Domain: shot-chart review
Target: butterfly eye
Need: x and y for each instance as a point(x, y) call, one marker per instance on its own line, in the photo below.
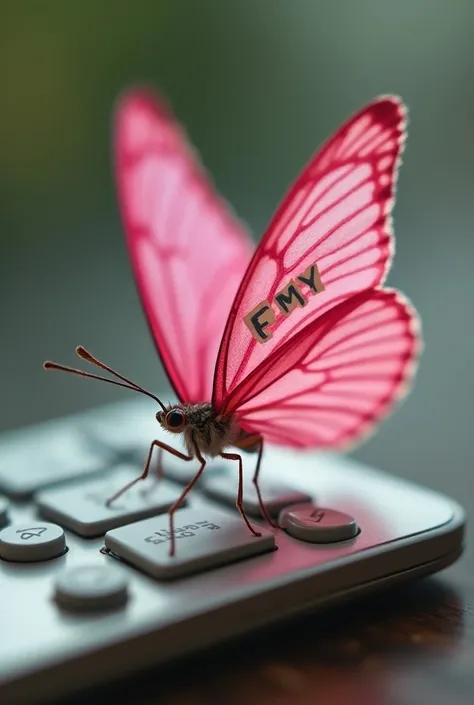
point(175, 420)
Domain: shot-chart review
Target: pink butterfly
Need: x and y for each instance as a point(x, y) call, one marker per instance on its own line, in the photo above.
point(328, 351)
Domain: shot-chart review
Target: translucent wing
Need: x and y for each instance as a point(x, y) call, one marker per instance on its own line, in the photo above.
point(187, 250)
point(336, 215)
point(339, 376)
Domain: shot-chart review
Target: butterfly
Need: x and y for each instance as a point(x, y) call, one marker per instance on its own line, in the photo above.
point(295, 343)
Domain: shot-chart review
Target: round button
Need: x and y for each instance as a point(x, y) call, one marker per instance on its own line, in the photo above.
point(3, 511)
point(317, 524)
point(91, 587)
point(30, 542)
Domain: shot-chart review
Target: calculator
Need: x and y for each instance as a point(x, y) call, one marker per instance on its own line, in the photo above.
point(89, 591)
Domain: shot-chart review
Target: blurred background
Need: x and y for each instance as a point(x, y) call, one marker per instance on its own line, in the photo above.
point(259, 84)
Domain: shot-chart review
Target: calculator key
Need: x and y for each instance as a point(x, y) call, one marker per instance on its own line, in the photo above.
point(275, 496)
point(3, 511)
point(47, 455)
point(205, 538)
point(125, 427)
point(318, 524)
point(182, 472)
point(32, 541)
point(94, 587)
point(82, 507)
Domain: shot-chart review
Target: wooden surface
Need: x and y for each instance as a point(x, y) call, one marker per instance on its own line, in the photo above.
point(413, 644)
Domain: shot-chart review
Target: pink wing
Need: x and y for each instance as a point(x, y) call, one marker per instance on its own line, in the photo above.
point(337, 216)
point(188, 252)
point(337, 378)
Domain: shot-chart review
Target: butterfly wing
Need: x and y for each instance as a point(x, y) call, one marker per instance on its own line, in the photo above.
point(187, 250)
point(337, 215)
point(337, 378)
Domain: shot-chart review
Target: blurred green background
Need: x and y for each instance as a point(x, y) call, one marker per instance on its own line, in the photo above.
point(258, 84)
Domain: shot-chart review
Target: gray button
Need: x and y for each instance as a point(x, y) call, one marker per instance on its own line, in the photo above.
point(183, 472)
point(82, 507)
point(205, 538)
point(3, 511)
point(34, 458)
point(318, 524)
point(275, 496)
point(128, 426)
point(32, 541)
point(92, 587)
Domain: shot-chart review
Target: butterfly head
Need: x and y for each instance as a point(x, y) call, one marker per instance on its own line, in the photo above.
point(173, 419)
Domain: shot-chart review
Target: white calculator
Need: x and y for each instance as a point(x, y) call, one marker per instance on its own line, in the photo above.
point(89, 591)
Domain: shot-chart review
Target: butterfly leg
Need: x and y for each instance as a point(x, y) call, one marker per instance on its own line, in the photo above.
point(240, 491)
point(181, 497)
point(146, 470)
point(263, 508)
point(157, 474)
point(252, 443)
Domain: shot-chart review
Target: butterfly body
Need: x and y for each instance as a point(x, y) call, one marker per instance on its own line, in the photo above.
point(201, 427)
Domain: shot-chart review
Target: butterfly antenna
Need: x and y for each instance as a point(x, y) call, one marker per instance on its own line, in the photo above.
point(88, 357)
point(127, 384)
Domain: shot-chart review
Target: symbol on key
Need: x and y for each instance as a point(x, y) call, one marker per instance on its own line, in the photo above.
point(35, 531)
point(209, 525)
point(318, 515)
point(318, 525)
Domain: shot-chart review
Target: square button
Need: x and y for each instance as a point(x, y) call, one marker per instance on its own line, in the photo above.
point(182, 472)
point(205, 538)
point(126, 427)
point(276, 496)
point(45, 455)
point(82, 507)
